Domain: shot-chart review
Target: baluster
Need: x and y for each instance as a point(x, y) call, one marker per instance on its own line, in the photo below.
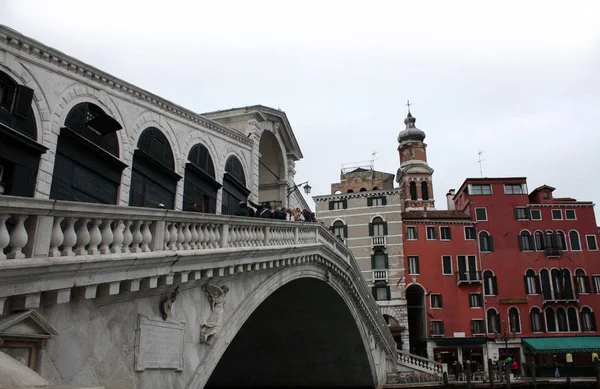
point(95, 237)
point(107, 236)
point(261, 236)
point(194, 232)
point(167, 235)
point(187, 236)
point(117, 241)
point(205, 236)
point(18, 238)
point(4, 235)
point(146, 236)
point(70, 238)
point(201, 236)
point(233, 232)
point(241, 236)
point(83, 237)
point(127, 236)
point(137, 236)
point(252, 231)
point(217, 236)
point(212, 237)
point(180, 236)
point(55, 240)
point(173, 237)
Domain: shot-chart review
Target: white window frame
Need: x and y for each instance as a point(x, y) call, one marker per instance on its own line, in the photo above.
point(415, 235)
point(588, 245)
point(377, 202)
point(471, 186)
point(512, 187)
point(411, 266)
point(578, 239)
point(451, 266)
point(486, 215)
point(479, 333)
point(476, 294)
point(427, 228)
point(436, 321)
point(559, 210)
point(531, 285)
point(596, 284)
point(574, 213)
point(449, 229)
point(531, 211)
point(474, 231)
point(525, 213)
point(431, 301)
point(541, 317)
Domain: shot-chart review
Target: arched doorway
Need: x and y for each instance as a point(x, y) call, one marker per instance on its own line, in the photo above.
point(19, 151)
point(417, 323)
point(302, 335)
point(200, 186)
point(153, 177)
point(271, 171)
point(234, 186)
point(395, 329)
point(87, 166)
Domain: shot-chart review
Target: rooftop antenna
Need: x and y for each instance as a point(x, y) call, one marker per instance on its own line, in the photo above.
point(479, 161)
point(373, 159)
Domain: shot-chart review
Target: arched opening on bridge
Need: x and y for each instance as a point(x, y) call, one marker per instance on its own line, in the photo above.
point(234, 186)
point(271, 171)
point(200, 186)
point(417, 324)
point(303, 335)
point(395, 329)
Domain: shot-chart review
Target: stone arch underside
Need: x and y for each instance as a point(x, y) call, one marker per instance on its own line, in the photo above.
point(417, 323)
point(302, 335)
point(271, 171)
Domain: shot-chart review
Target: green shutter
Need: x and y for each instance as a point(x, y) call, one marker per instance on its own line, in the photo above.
point(370, 229)
point(385, 230)
point(495, 285)
point(373, 261)
point(449, 233)
point(520, 242)
point(387, 264)
point(441, 303)
point(528, 213)
point(345, 231)
point(491, 243)
point(516, 211)
point(389, 294)
point(374, 292)
point(417, 265)
point(345, 203)
point(416, 232)
point(369, 201)
point(384, 200)
point(331, 205)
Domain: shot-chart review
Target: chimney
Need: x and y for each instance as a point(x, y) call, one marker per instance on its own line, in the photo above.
point(450, 199)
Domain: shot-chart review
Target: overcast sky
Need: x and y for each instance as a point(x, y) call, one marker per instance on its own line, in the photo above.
point(519, 80)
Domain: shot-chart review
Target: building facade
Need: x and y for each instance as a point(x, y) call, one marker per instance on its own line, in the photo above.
point(364, 210)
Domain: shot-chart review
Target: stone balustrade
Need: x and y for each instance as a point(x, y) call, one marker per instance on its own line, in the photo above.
point(419, 363)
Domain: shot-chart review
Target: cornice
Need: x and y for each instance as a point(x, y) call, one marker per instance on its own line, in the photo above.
point(342, 196)
point(562, 205)
point(32, 48)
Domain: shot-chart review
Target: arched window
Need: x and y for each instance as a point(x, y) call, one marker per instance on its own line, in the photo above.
point(378, 227)
point(493, 321)
point(490, 284)
point(339, 229)
point(532, 282)
point(547, 290)
point(413, 190)
point(425, 190)
point(537, 320)
point(200, 186)
point(572, 317)
point(574, 240)
point(234, 168)
point(350, 191)
point(375, 188)
point(363, 190)
point(486, 243)
point(539, 240)
point(16, 110)
point(525, 241)
point(562, 285)
point(561, 318)
point(515, 320)
point(588, 320)
point(561, 240)
point(379, 260)
point(582, 281)
point(550, 320)
point(92, 123)
point(234, 186)
point(550, 241)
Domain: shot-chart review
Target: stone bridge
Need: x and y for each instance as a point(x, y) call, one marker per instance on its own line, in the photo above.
point(85, 288)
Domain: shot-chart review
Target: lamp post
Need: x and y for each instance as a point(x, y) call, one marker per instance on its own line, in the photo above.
point(306, 188)
point(505, 336)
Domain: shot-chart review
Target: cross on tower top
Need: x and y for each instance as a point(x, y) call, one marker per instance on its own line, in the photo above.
point(408, 104)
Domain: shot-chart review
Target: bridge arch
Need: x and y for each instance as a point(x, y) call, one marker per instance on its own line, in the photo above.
point(223, 356)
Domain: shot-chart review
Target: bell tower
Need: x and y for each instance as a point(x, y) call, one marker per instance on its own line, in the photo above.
point(414, 175)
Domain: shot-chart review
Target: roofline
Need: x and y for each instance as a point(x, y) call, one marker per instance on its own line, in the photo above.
point(32, 48)
point(483, 179)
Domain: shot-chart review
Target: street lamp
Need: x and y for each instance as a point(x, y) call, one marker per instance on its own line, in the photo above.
point(505, 336)
point(306, 188)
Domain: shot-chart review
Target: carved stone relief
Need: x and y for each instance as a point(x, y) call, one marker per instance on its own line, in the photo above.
point(216, 297)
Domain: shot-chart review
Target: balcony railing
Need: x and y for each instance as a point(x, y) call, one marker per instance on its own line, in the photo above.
point(380, 275)
point(468, 277)
point(553, 251)
point(378, 241)
point(565, 297)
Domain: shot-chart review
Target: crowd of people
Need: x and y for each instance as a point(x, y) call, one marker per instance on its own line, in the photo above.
point(251, 209)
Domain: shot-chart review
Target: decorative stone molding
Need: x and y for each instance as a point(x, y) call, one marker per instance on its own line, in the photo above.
point(370, 193)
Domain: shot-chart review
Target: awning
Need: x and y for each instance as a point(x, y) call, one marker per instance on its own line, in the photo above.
point(460, 341)
point(563, 344)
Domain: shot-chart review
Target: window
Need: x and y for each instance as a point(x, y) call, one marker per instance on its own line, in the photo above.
point(532, 282)
point(424, 190)
point(470, 233)
point(545, 195)
point(379, 260)
point(570, 214)
point(413, 190)
point(467, 268)
point(521, 213)
point(525, 241)
point(493, 319)
point(574, 240)
point(436, 301)
point(546, 284)
point(596, 280)
point(562, 284)
point(513, 189)
point(556, 214)
point(561, 319)
point(588, 321)
point(413, 265)
point(447, 265)
point(477, 327)
point(339, 229)
point(486, 243)
point(376, 201)
point(437, 328)
point(591, 242)
point(572, 319)
point(445, 233)
point(412, 233)
point(550, 320)
point(484, 189)
point(381, 292)
point(515, 320)
point(537, 320)
point(582, 282)
point(490, 283)
point(539, 240)
point(475, 300)
point(480, 214)
point(431, 233)
point(536, 214)
point(378, 227)
point(340, 204)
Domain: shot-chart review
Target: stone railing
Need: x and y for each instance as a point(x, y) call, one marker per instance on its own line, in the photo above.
point(419, 363)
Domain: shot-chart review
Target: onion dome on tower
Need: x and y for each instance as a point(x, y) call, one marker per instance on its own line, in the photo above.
point(410, 133)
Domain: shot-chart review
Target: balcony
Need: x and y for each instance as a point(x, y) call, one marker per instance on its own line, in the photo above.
point(560, 298)
point(553, 252)
point(378, 241)
point(380, 275)
point(468, 277)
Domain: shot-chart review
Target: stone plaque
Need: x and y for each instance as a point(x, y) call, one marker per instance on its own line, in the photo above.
point(159, 344)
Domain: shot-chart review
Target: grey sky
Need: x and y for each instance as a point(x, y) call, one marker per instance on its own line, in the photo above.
point(518, 80)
